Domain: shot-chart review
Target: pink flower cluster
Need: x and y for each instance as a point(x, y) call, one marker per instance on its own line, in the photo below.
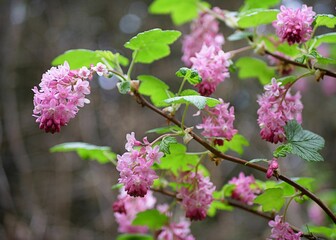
point(282, 231)
point(277, 107)
point(245, 190)
point(126, 208)
point(294, 26)
point(212, 65)
point(135, 166)
point(197, 196)
point(218, 124)
point(204, 30)
point(62, 91)
point(273, 165)
point(176, 231)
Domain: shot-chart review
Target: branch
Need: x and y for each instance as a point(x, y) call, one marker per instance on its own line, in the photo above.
point(141, 100)
point(237, 205)
point(286, 60)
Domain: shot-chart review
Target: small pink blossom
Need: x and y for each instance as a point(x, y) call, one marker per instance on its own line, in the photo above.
point(197, 196)
point(84, 73)
point(126, 208)
point(61, 94)
point(272, 166)
point(176, 231)
point(218, 123)
point(277, 107)
point(100, 69)
point(282, 231)
point(212, 65)
point(135, 166)
point(204, 30)
point(294, 26)
point(245, 190)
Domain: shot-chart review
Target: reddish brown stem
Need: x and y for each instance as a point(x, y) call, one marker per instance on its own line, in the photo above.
point(286, 60)
point(141, 100)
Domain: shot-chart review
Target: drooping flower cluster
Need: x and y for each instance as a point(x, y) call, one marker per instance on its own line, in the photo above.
point(245, 190)
point(135, 166)
point(273, 165)
point(126, 208)
point(197, 195)
point(218, 123)
point(282, 231)
point(294, 26)
point(277, 107)
point(176, 231)
point(212, 65)
point(204, 30)
point(62, 91)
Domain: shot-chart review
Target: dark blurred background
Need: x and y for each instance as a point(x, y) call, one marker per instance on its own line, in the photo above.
point(59, 196)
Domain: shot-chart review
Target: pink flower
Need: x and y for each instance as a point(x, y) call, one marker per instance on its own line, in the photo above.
point(246, 190)
point(84, 73)
point(61, 94)
point(135, 166)
point(294, 26)
point(205, 30)
point(218, 124)
point(197, 196)
point(100, 69)
point(282, 231)
point(277, 107)
point(126, 208)
point(176, 231)
point(272, 166)
point(212, 65)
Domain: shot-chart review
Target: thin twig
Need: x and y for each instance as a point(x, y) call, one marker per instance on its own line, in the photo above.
point(221, 155)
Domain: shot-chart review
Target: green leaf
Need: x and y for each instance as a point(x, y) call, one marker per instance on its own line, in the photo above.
point(282, 150)
point(271, 200)
point(329, 232)
point(327, 20)
point(236, 144)
point(124, 87)
point(198, 101)
point(286, 80)
point(303, 143)
point(254, 68)
point(325, 38)
point(155, 88)
point(189, 92)
point(134, 237)
point(163, 130)
point(325, 60)
point(78, 58)
point(218, 205)
point(181, 11)
point(152, 45)
point(165, 144)
point(86, 151)
point(152, 219)
point(191, 75)
point(256, 17)
point(177, 160)
point(250, 4)
point(239, 35)
point(228, 189)
point(290, 190)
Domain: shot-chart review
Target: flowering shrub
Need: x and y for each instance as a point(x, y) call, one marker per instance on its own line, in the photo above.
point(163, 166)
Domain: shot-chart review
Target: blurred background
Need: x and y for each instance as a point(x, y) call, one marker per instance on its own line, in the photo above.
point(59, 196)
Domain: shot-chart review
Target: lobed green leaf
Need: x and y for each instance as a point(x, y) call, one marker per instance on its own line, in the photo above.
point(256, 17)
point(327, 20)
point(198, 101)
point(236, 144)
point(191, 75)
point(86, 151)
point(271, 200)
point(152, 45)
point(78, 58)
point(156, 89)
point(152, 219)
point(165, 144)
point(128, 236)
point(247, 69)
point(181, 11)
point(250, 4)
